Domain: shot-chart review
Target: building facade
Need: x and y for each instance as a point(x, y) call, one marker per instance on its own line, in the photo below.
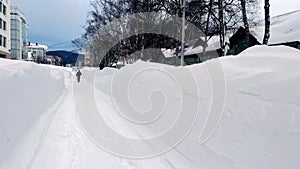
point(19, 34)
point(5, 29)
point(87, 54)
point(36, 52)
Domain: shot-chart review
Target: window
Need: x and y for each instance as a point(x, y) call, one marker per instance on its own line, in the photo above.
point(4, 41)
point(15, 24)
point(0, 6)
point(4, 10)
point(0, 40)
point(1, 23)
point(4, 25)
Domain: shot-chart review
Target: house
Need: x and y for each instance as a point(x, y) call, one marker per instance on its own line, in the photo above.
point(170, 57)
point(293, 44)
point(37, 51)
point(212, 50)
point(193, 53)
point(173, 56)
point(238, 42)
point(284, 30)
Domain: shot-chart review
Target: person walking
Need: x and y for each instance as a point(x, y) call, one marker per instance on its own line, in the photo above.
point(78, 74)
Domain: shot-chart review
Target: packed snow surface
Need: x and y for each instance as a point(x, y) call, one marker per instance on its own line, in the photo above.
point(260, 126)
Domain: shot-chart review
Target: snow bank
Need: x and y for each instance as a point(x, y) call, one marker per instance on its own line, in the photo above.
point(27, 91)
point(260, 126)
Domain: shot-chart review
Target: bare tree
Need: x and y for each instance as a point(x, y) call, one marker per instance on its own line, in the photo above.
point(209, 12)
point(213, 17)
point(221, 25)
point(245, 20)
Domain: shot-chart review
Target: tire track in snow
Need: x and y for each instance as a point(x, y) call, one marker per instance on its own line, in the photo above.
point(75, 151)
point(88, 83)
point(45, 130)
point(164, 161)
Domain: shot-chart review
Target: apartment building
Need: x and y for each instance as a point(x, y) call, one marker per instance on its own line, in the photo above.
point(19, 34)
point(5, 29)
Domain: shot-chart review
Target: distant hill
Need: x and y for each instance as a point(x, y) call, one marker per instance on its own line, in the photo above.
point(67, 56)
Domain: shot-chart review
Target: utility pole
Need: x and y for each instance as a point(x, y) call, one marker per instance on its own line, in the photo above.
point(183, 33)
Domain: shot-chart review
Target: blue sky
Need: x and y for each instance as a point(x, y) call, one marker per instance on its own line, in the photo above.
point(56, 21)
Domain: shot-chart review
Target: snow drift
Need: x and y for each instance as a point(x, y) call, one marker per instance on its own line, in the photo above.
point(260, 126)
point(27, 91)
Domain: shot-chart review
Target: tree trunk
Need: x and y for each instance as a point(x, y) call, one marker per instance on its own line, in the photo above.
point(207, 29)
point(183, 34)
point(221, 25)
point(267, 22)
point(245, 20)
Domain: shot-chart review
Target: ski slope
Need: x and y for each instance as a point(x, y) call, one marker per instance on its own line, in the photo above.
point(41, 125)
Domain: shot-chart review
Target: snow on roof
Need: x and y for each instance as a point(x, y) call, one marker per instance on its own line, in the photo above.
point(212, 44)
point(34, 46)
point(169, 53)
point(284, 28)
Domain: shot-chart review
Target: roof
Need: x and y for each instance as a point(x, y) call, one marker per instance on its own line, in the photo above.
point(34, 46)
point(168, 53)
point(212, 45)
point(284, 28)
point(194, 47)
point(68, 57)
point(240, 32)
